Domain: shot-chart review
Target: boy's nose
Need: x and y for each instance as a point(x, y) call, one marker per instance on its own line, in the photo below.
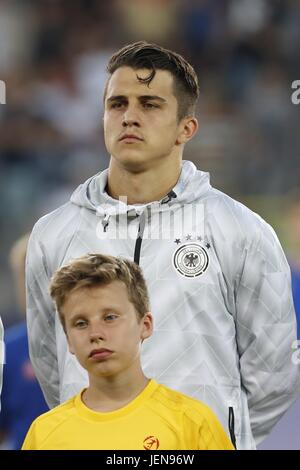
point(97, 335)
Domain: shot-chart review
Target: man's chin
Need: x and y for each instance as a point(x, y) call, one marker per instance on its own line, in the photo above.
point(134, 162)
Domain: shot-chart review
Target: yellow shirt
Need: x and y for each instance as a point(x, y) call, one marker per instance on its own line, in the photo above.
point(158, 418)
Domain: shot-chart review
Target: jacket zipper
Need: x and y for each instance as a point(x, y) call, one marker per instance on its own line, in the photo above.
point(138, 243)
point(231, 426)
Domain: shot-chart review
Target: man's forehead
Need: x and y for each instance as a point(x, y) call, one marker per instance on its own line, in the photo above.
point(125, 81)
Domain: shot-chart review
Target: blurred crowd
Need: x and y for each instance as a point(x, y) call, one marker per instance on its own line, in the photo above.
point(52, 58)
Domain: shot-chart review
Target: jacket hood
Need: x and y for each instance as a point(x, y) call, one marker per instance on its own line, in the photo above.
point(192, 185)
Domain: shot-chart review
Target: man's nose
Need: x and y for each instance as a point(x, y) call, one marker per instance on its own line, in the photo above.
point(131, 117)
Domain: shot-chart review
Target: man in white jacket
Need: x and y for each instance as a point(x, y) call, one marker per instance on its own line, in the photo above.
point(218, 279)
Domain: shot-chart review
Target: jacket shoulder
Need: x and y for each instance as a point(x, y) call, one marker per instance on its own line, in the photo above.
point(51, 235)
point(235, 218)
point(60, 217)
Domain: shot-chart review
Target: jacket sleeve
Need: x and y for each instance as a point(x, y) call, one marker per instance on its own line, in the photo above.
point(41, 321)
point(266, 332)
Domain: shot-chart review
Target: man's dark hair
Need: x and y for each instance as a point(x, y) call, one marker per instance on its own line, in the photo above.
point(144, 55)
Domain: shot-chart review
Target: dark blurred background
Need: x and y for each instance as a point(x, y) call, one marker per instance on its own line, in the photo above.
point(53, 55)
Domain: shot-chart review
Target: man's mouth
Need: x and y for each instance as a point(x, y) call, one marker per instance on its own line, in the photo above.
point(130, 138)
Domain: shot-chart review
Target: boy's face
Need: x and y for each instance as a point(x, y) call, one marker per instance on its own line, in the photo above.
point(103, 329)
point(146, 113)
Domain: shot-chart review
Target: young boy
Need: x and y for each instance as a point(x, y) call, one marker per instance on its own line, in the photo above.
point(103, 305)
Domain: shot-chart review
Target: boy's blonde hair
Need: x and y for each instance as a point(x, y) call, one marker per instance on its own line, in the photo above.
point(94, 270)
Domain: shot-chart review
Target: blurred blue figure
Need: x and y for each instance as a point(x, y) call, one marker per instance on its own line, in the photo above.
point(21, 399)
point(296, 295)
point(293, 224)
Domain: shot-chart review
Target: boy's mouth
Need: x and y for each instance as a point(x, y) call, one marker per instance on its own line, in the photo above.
point(100, 353)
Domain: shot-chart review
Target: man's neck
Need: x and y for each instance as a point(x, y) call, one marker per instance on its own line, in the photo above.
point(106, 394)
point(148, 185)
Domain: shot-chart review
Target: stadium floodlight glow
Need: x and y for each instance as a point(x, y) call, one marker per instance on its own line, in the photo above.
point(2, 92)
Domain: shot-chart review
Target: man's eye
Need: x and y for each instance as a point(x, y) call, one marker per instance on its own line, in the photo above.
point(117, 105)
point(150, 105)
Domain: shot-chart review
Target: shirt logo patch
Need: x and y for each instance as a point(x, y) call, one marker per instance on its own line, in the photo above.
point(151, 443)
point(190, 260)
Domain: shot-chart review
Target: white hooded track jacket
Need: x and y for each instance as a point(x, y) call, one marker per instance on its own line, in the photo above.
point(220, 293)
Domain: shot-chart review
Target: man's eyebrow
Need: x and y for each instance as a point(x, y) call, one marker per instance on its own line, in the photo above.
point(141, 98)
point(117, 98)
point(152, 97)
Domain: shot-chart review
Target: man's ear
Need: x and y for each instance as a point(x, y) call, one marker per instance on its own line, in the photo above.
point(187, 129)
point(147, 326)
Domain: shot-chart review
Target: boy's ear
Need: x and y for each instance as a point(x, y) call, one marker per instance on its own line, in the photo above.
point(147, 328)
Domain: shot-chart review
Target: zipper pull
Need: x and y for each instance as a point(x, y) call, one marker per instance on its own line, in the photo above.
point(105, 222)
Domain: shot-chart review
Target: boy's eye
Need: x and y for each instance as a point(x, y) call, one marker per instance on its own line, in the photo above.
point(110, 317)
point(80, 323)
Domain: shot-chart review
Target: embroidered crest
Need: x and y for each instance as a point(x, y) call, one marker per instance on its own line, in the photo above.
point(190, 260)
